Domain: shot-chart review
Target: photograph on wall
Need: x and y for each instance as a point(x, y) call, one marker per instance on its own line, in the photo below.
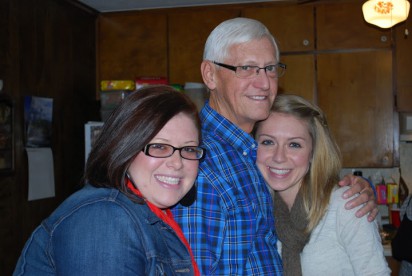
point(92, 130)
point(38, 114)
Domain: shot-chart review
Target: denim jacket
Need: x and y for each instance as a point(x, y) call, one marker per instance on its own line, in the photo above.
point(100, 231)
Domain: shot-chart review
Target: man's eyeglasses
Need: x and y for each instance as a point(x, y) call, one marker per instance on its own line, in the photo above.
point(164, 150)
point(250, 71)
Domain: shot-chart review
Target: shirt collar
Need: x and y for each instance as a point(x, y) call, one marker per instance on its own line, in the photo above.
point(214, 123)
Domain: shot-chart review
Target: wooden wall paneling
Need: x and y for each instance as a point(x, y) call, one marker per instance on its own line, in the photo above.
point(4, 31)
point(9, 203)
point(188, 31)
point(50, 52)
point(300, 76)
point(341, 26)
point(292, 25)
point(132, 44)
point(355, 91)
point(403, 71)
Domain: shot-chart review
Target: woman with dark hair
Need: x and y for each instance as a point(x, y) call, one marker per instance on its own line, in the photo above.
point(144, 162)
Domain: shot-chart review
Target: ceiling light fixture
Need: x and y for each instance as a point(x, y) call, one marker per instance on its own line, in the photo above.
point(385, 14)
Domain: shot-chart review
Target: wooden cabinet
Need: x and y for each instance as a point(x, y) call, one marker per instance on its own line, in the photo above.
point(334, 58)
point(354, 84)
point(354, 89)
point(291, 25)
point(293, 28)
point(300, 76)
point(132, 45)
point(156, 43)
point(403, 71)
point(187, 35)
point(341, 26)
point(355, 92)
point(349, 75)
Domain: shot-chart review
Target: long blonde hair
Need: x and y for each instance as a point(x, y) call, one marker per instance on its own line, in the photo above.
point(323, 174)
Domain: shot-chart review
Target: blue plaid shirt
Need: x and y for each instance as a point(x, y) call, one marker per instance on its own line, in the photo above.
point(230, 227)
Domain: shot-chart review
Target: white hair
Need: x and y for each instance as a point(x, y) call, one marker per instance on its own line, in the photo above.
point(235, 31)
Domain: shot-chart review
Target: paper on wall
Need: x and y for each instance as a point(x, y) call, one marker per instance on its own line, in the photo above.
point(41, 173)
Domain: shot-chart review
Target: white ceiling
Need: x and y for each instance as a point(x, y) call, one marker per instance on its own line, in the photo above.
point(127, 5)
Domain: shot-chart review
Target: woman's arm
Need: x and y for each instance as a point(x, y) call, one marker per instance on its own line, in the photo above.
point(362, 243)
point(99, 239)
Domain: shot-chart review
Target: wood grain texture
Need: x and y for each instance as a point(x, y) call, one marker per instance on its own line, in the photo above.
point(354, 90)
point(341, 26)
point(403, 68)
point(132, 45)
point(300, 76)
point(188, 32)
point(48, 50)
point(292, 25)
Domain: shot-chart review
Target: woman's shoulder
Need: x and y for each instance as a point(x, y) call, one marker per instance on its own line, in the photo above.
point(337, 193)
point(337, 205)
point(337, 202)
point(91, 202)
point(89, 195)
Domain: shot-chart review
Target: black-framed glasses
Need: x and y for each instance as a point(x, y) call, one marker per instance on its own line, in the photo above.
point(159, 150)
point(251, 71)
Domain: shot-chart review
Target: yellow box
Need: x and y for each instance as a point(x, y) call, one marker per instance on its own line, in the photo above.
point(107, 85)
point(393, 195)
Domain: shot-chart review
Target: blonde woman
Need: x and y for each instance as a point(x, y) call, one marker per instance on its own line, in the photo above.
point(300, 161)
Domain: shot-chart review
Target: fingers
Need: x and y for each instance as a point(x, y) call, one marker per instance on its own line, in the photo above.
point(357, 201)
point(346, 180)
point(366, 197)
point(369, 192)
point(368, 209)
point(374, 213)
point(357, 185)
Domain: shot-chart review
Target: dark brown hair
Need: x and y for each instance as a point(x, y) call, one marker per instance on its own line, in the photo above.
point(131, 126)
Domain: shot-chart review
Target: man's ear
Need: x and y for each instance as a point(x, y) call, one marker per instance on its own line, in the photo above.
point(208, 71)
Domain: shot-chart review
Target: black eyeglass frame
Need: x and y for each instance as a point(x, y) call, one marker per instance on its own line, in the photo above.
point(234, 68)
point(147, 147)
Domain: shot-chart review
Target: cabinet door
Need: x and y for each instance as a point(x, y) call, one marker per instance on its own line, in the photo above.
point(355, 91)
point(131, 45)
point(292, 26)
point(299, 78)
point(342, 26)
point(404, 66)
point(188, 32)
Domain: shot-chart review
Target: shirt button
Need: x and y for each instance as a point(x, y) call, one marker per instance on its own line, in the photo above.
point(253, 146)
point(244, 153)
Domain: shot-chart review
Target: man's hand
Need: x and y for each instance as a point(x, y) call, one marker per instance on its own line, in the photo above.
point(366, 195)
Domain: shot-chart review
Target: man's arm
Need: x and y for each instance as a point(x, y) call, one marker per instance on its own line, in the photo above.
point(366, 196)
